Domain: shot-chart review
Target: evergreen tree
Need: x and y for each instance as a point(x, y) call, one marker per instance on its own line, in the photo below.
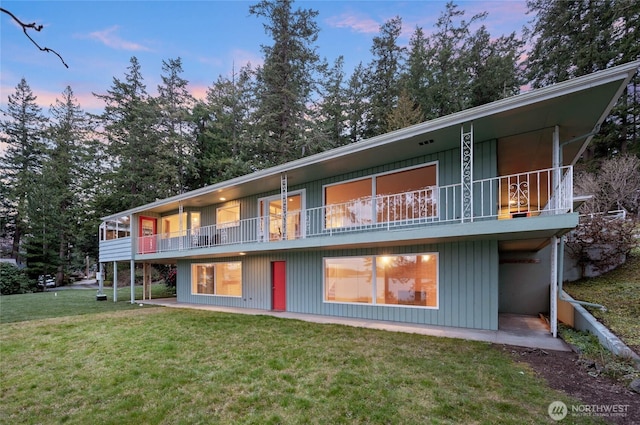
point(578, 37)
point(222, 122)
point(67, 176)
point(384, 75)
point(176, 126)
point(415, 79)
point(330, 117)
point(406, 113)
point(448, 86)
point(492, 66)
point(21, 163)
point(140, 172)
point(357, 109)
point(285, 83)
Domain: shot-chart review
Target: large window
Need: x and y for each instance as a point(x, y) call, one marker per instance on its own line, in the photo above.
point(115, 229)
point(228, 216)
point(403, 280)
point(408, 194)
point(173, 226)
point(217, 279)
point(271, 215)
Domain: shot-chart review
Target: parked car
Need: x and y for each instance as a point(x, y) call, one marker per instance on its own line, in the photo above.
point(46, 281)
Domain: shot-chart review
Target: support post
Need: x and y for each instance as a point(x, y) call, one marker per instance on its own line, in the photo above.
point(283, 201)
point(555, 165)
point(466, 172)
point(180, 231)
point(133, 282)
point(115, 281)
point(553, 302)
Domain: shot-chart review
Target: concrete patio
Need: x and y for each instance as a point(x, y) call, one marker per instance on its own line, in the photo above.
point(522, 331)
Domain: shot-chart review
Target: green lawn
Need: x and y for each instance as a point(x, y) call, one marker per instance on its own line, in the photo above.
point(154, 365)
point(619, 292)
point(69, 302)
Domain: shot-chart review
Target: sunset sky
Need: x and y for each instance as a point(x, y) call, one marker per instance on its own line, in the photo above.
point(98, 38)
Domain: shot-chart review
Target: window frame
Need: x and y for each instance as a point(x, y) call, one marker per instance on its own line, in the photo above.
point(373, 178)
point(374, 278)
point(214, 266)
point(231, 223)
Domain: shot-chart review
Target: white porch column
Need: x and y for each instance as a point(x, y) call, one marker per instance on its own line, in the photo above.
point(133, 282)
point(284, 189)
point(115, 281)
point(556, 163)
point(466, 172)
point(180, 230)
point(553, 302)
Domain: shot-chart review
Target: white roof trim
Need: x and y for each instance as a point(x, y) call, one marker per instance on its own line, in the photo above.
point(622, 72)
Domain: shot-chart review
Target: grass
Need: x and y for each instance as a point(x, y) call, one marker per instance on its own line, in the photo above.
point(601, 360)
point(69, 302)
point(154, 365)
point(619, 292)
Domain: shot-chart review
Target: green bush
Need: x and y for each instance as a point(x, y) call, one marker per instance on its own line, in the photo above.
point(14, 281)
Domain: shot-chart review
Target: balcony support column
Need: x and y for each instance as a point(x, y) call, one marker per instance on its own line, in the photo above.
point(553, 299)
point(115, 281)
point(180, 228)
point(133, 282)
point(283, 202)
point(556, 163)
point(466, 172)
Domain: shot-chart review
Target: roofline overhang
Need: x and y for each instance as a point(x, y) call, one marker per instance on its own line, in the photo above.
point(622, 73)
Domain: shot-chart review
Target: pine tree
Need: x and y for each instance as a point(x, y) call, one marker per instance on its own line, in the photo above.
point(384, 75)
point(357, 110)
point(285, 83)
point(415, 78)
point(448, 87)
point(140, 172)
point(578, 37)
point(330, 116)
point(21, 164)
point(176, 126)
point(492, 66)
point(67, 176)
point(222, 126)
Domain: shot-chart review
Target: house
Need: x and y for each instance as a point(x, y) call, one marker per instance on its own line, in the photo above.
point(450, 222)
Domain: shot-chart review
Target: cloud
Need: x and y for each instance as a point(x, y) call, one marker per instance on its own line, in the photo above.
point(109, 38)
point(359, 24)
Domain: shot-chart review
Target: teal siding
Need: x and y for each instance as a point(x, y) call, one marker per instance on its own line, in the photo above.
point(468, 285)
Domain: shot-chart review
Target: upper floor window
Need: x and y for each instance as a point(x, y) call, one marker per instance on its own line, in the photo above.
point(228, 216)
point(173, 225)
point(115, 229)
point(407, 194)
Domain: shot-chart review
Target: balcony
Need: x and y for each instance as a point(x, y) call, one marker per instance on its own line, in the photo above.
point(518, 196)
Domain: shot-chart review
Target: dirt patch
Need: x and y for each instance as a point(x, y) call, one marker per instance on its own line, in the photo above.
point(565, 372)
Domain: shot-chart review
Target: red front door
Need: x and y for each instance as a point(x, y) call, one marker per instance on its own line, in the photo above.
point(279, 285)
point(148, 235)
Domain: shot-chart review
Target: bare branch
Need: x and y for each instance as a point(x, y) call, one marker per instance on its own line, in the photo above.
point(36, 27)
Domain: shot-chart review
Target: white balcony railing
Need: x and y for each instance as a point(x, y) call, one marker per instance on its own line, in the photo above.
point(530, 194)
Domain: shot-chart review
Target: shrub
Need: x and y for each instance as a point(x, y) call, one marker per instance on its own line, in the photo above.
point(14, 281)
point(601, 243)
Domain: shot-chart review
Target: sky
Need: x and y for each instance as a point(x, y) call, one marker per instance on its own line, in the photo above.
point(98, 38)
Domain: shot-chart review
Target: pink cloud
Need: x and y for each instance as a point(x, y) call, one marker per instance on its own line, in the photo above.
point(109, 38)
point(355, 23)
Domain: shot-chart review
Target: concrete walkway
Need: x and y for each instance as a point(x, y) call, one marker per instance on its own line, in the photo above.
point(523, 331)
